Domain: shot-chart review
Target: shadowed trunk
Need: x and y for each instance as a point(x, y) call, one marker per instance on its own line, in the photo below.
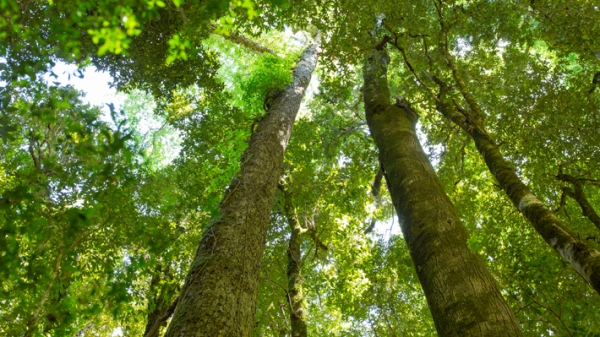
point(219, 295)
point(463, 297)
point(294, 255)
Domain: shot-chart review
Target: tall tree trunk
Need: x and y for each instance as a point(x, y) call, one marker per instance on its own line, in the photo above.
point(294, 278)
point(584, 259)
point(463, 297)
point(219, 294)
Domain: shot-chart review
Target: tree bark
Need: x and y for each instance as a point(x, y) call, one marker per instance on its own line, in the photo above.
point(584, 259)
point(579, 196)
point(219, 294)
point(463, 297)
point(294, 278)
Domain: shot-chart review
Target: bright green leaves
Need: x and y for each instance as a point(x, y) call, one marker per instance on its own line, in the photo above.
point(230, 10)
point(248, 5)
point(71, 184)
point(116, 39)
point(214, 136)
point(79, 30)
point(177, 47)
point(261, 81)
point(102, 202)
point(227, 21)
point(158, 3)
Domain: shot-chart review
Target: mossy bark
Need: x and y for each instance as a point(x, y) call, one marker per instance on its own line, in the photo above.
point(463, 297)
point(219, 294)
point(584, 259)
point(294, 277)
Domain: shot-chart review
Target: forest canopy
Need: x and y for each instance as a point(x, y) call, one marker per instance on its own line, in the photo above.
point(301, 168)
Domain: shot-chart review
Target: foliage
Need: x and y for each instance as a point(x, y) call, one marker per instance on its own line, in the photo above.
point(73, 229)
point(267, 75)
point(93, 207)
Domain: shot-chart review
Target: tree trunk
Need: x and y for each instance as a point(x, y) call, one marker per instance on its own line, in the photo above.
point(219, 294)
point(294, 278)
point(584, 259)
point(463, 297)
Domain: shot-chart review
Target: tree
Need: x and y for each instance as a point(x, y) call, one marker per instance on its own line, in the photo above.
point(463, 297)
point(294, 298)
point(63, 204)
point(98, 226)
point(219, 295)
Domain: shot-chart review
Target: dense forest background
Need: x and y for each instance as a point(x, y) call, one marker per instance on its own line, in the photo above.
point(105, 212)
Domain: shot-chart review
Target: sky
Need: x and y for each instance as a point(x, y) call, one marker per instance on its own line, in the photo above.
point(95, 84)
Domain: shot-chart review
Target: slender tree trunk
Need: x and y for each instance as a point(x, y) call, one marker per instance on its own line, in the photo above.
point(34, 319)
point(294, 278)
point(463, 297)
point(584, 259)
point(156, 303)
point(219, 295)
point(152, 330)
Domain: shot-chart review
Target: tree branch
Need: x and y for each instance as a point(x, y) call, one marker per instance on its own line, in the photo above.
point(578, 195)
point(159, 321)
point(243, 41)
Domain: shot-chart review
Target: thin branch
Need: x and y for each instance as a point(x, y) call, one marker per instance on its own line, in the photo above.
point(375, 191)
point(159, 321)
point(412, 70)
point(35, 316)
point(267, 278)
point(462, 87)
point(553, 312)
point(563, 199)
point(243, 41)
point(579, 196)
